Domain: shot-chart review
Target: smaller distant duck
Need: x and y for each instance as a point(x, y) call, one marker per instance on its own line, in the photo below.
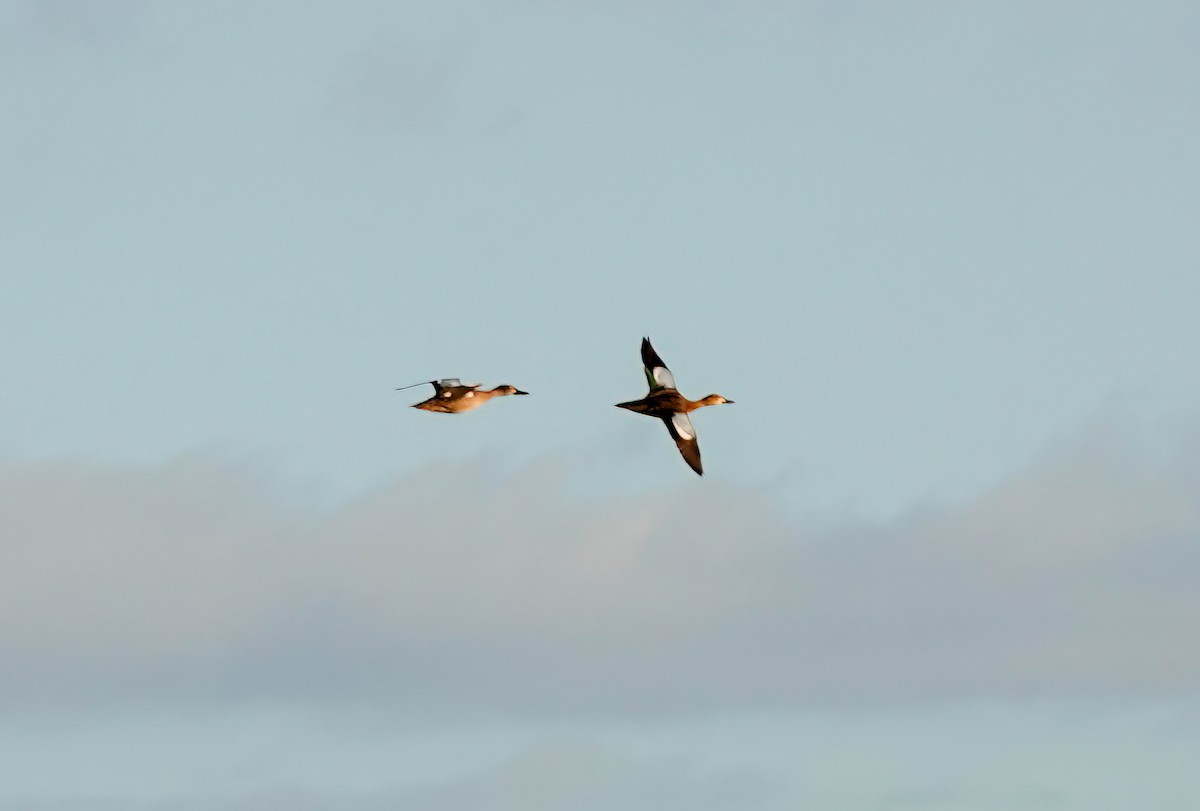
point(451, 396)
point(667, 404)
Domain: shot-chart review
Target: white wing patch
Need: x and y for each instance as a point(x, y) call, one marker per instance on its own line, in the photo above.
point(683, 426)
point(449, 382)
point(663, 377)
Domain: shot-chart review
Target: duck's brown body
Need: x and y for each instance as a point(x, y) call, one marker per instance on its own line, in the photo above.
point(450, 397)
point(664, 402)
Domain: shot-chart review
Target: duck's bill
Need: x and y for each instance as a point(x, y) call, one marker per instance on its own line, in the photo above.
point(518, 391)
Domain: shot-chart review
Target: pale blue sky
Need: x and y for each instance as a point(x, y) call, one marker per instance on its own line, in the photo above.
point(922, 239)
point(943, 256)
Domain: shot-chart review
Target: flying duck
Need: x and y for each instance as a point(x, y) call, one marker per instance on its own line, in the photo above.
point(450, 396)
point(667, 404)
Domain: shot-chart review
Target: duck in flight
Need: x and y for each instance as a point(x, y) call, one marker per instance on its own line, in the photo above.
point(450, 396)
point(667, 404)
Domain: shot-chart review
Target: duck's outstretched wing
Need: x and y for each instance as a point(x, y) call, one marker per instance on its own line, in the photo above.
point(657, 373)
point(681, 430)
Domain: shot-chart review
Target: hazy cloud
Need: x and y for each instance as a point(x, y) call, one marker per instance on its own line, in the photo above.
point(457, 587)
point(91, 23)
point(1026, 800)
point(571, 774)
point(578, 775)
point(398, 85)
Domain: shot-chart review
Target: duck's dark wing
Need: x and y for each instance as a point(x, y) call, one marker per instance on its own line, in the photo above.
point(451, 387)
point(657, 373)
point(681, 430)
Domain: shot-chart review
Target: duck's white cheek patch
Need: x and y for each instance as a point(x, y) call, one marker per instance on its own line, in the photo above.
point(683, 426)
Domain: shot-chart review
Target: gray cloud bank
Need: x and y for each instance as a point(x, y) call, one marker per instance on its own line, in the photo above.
point(457, 588)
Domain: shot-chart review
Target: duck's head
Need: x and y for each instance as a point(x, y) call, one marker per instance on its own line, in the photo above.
point(715, 399)
point(506, 390)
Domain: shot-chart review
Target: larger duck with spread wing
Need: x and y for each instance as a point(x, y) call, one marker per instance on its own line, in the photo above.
point(666, 403)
